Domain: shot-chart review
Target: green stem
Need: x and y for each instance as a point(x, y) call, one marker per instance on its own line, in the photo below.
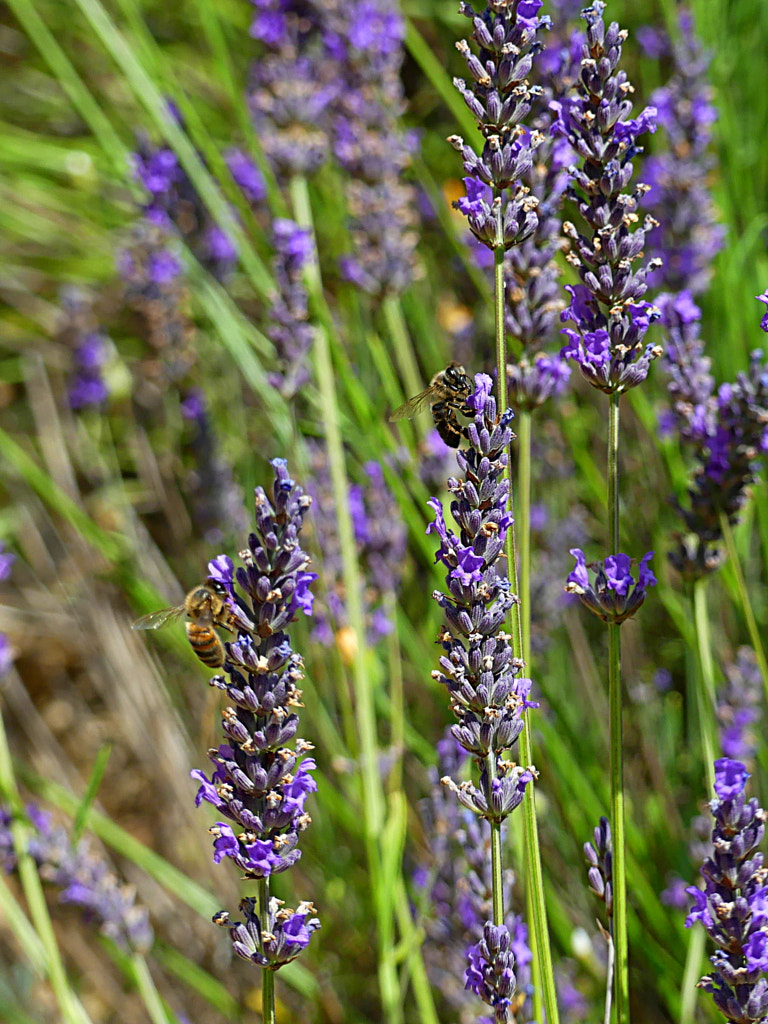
point(621, 967)
point(401, 344)
point(267, 976)
point(149, 994)
point(749, 615)
point(705, 690)
point(523, 527)
point(373, 799)
point(542, 970)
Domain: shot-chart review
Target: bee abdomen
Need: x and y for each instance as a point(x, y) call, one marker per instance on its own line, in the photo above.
point(447, 425)
point(206, 645)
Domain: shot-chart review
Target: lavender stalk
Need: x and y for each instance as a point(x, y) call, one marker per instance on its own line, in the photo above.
point(501, 213)
point(732, 906)
point(259, 783)
point(611, 320)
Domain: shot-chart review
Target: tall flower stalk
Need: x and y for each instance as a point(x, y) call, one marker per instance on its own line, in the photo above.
point(259, 783)
point(501, 213)
point(611, 320)
point(479, 668)
point(732, 906)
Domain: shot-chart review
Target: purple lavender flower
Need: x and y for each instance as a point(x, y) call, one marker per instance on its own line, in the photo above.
point(215, 497)
point(691, 384)
point(154, 288)
point(366, 38)
point(490, 974)
point(499, 209)
point(293, 86)
point(610, 316)
point(532, 381)
point(7, 558)
point(259, 783)
point(289, 327)
point(615, 595)
point(599, 859)
point(278, 939)
point(174, 205)
point(738, 708)
point(733, 907)
point(79, 331)
point(477, 666)
point(84, 878)
point(457, 877)
point(381, 541)
point(247, 176)
point(686, 236)
point(764, 321)
point(87, 387)
point(729, 435)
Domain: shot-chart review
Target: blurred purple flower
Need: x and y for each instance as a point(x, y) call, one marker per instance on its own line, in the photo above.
point(687, 235)
point(84, 878)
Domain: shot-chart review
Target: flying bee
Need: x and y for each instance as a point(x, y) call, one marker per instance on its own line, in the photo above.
point(446, 396)
point(205, 607)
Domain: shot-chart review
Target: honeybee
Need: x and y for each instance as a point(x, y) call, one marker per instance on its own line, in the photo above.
point(205, 607)
point(446, 396)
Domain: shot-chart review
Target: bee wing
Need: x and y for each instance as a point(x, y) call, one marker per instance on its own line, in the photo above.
point(157, 619)
point(414, 405)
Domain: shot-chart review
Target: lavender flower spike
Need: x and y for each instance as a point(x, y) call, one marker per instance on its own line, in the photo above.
point(283, 936)
point(477, 667)
point(491, 974)
point(499, 208)
point(83, 876)
point(607, 308)
point(615, 596)
point(259, 783)
point(733, 907)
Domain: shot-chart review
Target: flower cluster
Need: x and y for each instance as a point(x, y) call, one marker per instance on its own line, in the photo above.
point(690, 381)
point(491, 974)
point(727, 430)
point(79, 331)
point(457, 880)
point(276, 940)
point(366, 37)
point(174, 203)
point(532, 294)
point(499, 208)
point(733, 907)
point(84, 877)
point(611, 318)
point(293, 86)
point(599, 859)
point(259, 783)
point(216, 499)
point(289, 327)
point(154, 288)
point(739, 706)
point(615, 595)
point(687, 235)
point(477, 667)
point(381, 541)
